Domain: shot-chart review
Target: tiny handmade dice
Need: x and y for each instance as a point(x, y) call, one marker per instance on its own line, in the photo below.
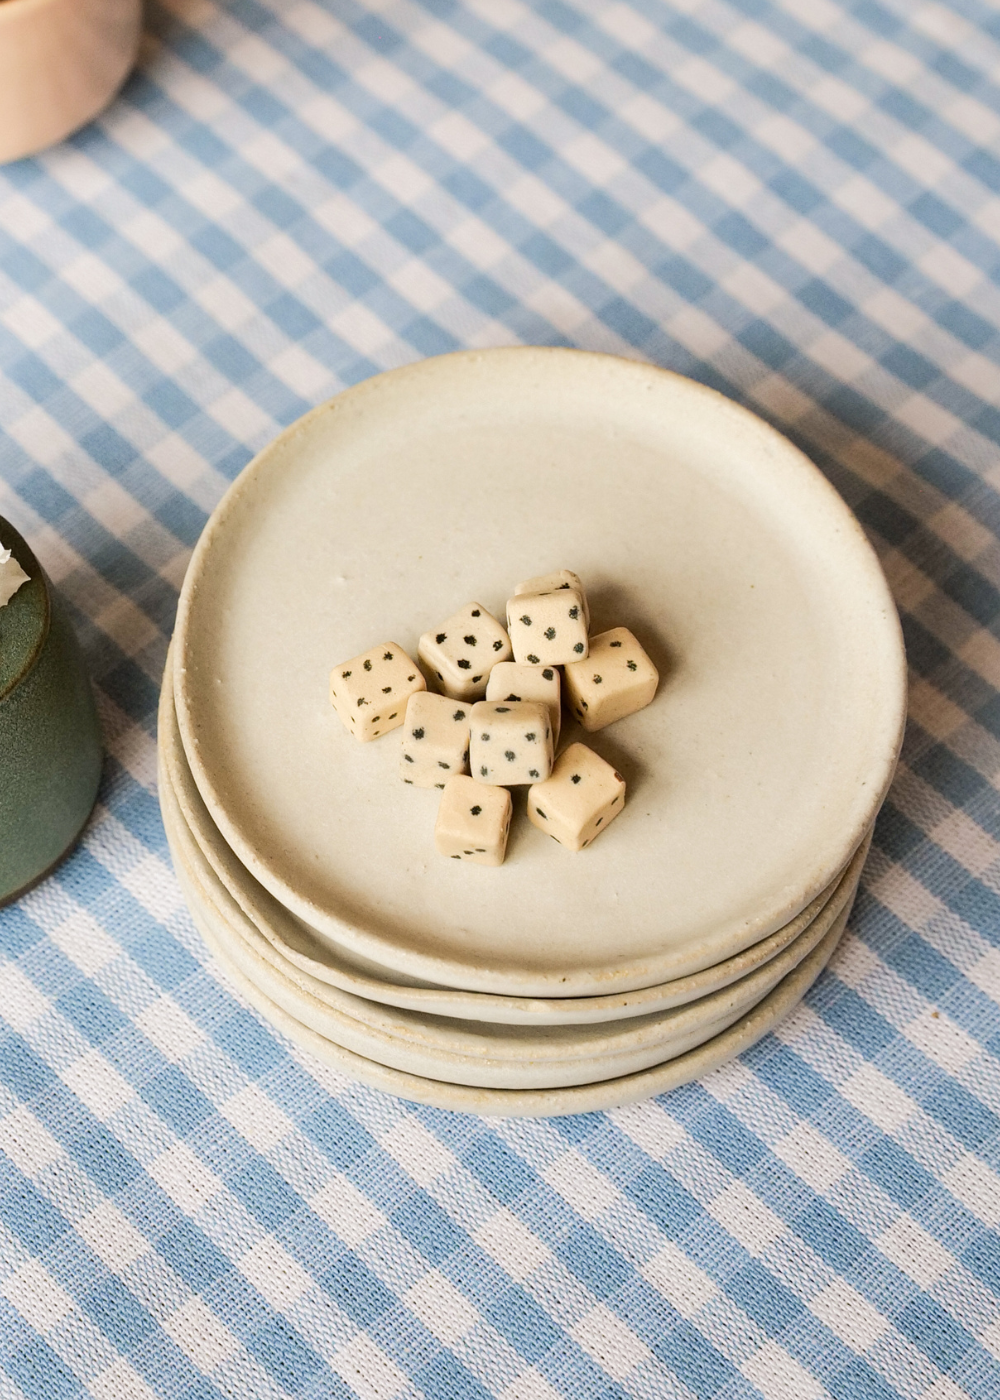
point(510, 680)
point(462, 652)
point(510, 744)
point(551, 583)
point(615, 680)
point(547, 629)
point(473, 822)
point(370, 692)
point(435, 740)
point(580, 800)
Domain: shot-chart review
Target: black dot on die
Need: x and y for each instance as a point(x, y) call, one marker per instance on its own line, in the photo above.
point(475, 811)
point(599, 820)
point(475, 612)
point(362, 701)
point(439, 785)
point(531, 737)
point(548, 673)
point(550, 632)
point(526, 620)
point(614, 644)
point(394, 714)
point(411, 678)
point(386, 689)
point(575, 778)
point(541, 814)
point(459, 714)
point(441, 636)
point(503, 709)
point(532, 772)
point(631, 665)
point(532, 658)
point(512, 697)
point(476, 678)
point(470, 640)
point(464, 664)
point(368, 665)
point(598, 680)
point(485, 738)
point(498, 646)
point(408, 758)
point(578, 647)
point(387, 656)
point(509, 755)
point(442, 764)
point(345, 674)
point(483, 771)
point(574, 613)
point(418, 734)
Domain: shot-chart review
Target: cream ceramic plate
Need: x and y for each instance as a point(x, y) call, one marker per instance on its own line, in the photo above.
point(753, 775)
point(481, 1070)
point(535, 1103)
point(464, 1051)
point(328, 974)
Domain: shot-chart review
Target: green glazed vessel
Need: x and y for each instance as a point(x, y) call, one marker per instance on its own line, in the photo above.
point(50, 740)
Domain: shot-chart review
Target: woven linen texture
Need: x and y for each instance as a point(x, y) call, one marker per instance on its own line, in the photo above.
point(798, 203)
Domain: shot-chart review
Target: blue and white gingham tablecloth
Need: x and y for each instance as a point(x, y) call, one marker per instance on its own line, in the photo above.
point(797, 201)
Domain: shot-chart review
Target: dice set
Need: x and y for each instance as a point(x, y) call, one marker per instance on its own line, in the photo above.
point(491, 718)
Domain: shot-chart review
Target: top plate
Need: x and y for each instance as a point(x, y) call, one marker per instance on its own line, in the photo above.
point(753, 775)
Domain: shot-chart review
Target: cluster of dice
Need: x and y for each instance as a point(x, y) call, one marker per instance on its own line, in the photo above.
point(495, 721)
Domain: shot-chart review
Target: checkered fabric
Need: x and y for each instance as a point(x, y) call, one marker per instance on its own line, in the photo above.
point(797, 201)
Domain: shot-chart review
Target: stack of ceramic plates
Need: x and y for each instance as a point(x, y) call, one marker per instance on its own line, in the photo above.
point(559, 982)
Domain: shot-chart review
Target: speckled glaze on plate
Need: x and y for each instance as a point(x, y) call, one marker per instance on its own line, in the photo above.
point(539, 1103)
point(328, 974)
point(464, 1051)
point(753, 775)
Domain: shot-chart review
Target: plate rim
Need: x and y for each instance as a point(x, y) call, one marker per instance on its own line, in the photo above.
point(433, 1040)
point(641, 971)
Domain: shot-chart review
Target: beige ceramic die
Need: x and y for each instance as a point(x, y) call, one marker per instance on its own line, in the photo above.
point(510, 744)
point(551, 583)
point(547, 629)
point(509, 680)
point(435, 740)
point(461, 653)
point(580, 800)
point(370, 691)
point(473, 822)
point(616, 679)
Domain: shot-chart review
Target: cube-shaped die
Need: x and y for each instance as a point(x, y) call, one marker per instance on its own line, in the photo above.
point(370, 692)
point(510, 744)
point(510, 680)
point(473, 822)
point(580, 800)
point(547, 629)
point(551, 583)
point(435, 740)
point(462, 652)
point(616, 679)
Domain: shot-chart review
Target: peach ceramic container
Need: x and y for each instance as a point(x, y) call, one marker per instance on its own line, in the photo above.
point(61, 62)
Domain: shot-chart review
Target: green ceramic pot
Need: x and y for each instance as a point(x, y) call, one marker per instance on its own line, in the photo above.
point(50, 741)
